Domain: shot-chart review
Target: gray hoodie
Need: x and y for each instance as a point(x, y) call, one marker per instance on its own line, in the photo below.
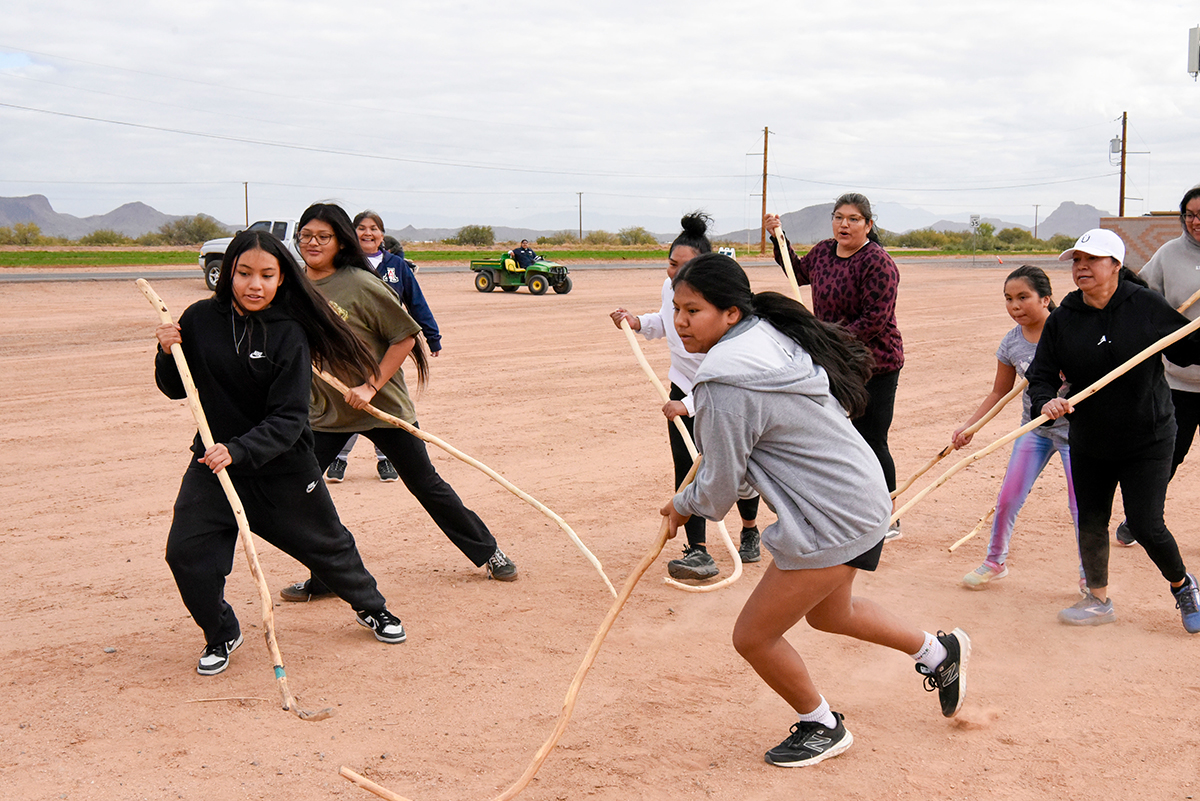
point(1174, 273)
point(765, 417)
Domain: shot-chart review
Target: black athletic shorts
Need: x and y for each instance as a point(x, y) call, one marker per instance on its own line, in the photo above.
point(868, 560)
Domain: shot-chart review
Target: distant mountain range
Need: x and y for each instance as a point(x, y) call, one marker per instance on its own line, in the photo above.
point(804, 226)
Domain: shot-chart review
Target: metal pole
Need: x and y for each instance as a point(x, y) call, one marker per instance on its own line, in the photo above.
point(1035, 219)
point(246, 189)
point(762, 245)
point(1121, 205)
point(580, 215)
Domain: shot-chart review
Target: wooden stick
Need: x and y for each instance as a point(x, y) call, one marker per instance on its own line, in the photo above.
point(691, 449)
point(239, 514)
point(978, 527)
point(1103, 381)
point(1017, 389)
point(786, 258)
point(233, 698)
point(478, 465)
point(568, 707)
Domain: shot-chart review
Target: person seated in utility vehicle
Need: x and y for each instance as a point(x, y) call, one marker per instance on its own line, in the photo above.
point(524, 255)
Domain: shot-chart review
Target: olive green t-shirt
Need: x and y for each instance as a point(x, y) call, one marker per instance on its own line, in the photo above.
point(374, 313)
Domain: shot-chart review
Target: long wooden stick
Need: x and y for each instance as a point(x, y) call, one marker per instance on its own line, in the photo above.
point(786, 257)
point(691, 449)
point(568, 707)
point(1103, 381)
point(1017, 389)
point(239, 514)
point(978, 527)
point(478, 465)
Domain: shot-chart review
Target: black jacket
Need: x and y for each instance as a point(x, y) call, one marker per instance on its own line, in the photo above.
point(254, 374)
point(1084, 343)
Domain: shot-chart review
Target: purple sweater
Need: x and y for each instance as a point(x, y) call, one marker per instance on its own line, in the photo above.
point(859, 293)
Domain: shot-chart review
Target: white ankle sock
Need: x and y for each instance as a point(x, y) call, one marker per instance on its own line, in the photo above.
point(932, 653)
point(821, 715)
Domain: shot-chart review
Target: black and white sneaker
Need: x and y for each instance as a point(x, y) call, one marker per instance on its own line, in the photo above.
point(749, 550)
point(387, 472)
point(336, 473)
point(500, 567)
point(216, 657)
point(950, 677)
point(387, 627)
point(810, 743)
point(696, 564)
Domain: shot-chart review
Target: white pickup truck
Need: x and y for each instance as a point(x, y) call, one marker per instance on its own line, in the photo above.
point(212, 252)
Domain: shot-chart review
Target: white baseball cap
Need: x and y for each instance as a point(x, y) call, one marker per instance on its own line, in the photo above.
point(1097, 242)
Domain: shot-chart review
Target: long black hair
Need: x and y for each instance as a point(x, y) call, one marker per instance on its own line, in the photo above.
point(860, 202)
point(1038, 281)
point(333, 345)
point(721, 281)
point(350, 255)
point(694, 236)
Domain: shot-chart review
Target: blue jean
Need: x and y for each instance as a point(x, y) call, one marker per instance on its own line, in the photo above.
point(1030, 455)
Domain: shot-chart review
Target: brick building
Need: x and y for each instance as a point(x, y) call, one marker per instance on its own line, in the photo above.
point(1143, 235)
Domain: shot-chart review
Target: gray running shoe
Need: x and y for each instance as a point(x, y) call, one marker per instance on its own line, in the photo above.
point(749, 551)
point(1088, 611)
point(696, 564)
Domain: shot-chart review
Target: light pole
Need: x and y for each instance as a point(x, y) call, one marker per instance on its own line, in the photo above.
point(580, 215)
point(1035, 219)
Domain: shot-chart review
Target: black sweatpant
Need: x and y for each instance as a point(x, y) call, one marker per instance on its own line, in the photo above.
point(1143, 480)
point(696, 525)
point(292, 511)
point(408, 455)
point(877, 419)
point(1187, 418)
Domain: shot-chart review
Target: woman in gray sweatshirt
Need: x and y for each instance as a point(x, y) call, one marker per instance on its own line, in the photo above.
point(774, 397)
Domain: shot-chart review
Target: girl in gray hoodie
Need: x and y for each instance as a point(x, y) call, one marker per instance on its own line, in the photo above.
point(774, 397)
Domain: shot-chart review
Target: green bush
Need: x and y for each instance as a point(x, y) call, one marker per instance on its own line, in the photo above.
point(481, 236)
point(23, 234)
point(105, 236)
point(192, 230)
point(153, 239)
point(636, 235)
point(560, 238)
point(600, 237)
point(1060, 242)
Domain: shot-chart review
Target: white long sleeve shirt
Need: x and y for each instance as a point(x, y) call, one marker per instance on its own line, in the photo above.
point(684, 365)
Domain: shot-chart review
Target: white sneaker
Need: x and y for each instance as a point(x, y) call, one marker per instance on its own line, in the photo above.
point(978, 578)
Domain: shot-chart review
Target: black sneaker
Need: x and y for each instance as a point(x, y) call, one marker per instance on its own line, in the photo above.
point(950, 677)
point(810, 743)
point(500, 567)
point(387, 472)
point(1125, 536)
point(387, 627)
point(336, 473)
point(303, 591)
point(749, 550)
point(216, 657)
point(695, 564)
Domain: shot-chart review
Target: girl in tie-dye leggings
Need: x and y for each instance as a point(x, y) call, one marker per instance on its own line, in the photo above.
point(1027, 297)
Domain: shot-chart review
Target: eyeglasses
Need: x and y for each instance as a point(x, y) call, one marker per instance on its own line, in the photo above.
point(1189, 217)
point(322, 238)
point(837, 218)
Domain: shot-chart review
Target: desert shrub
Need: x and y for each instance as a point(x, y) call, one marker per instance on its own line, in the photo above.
point(636, 235)
point(154, 238)
point(476, 235)
point(600, 237)
point(192, 230)
point(24, 234)
point(559, 238)
point(1060, 242)
point(105, 236)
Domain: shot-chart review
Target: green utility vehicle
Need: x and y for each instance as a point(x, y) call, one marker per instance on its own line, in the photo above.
point(504, 272)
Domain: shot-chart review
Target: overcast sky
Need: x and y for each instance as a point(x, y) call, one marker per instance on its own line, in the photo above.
point(448, 113)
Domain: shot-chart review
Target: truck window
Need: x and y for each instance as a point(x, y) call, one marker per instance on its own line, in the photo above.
point(279, 230)
point(261, 225)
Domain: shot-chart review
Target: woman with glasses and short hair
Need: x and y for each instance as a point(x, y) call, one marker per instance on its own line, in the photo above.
point(854, 284)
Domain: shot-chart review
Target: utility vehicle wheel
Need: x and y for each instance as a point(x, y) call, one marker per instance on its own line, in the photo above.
point(564, 286)
point(537, 284)
point(484, 281)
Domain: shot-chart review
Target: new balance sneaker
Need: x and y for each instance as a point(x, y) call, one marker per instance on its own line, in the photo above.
point(216, 657)
point(1088, 611)
point(1187, 601)
point(387, 471)
point(1125, 536)
point(950, 677)
point(893, 532)
point(336, 473)
point(500, 567)
point(695, 564)
point(749, 550)
point(978, 578)
point(810, 743)
point(387, 627)
point(303, 591)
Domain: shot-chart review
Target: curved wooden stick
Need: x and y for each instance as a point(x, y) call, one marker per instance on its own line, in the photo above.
point(691, 449)
point(1017, 389)
point(786, 257)
point(478, 465)
point(1100, 383)
point(564, 716)
point(239, 514)
point(978, 527)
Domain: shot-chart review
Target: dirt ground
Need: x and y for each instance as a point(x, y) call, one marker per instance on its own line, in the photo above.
point(99, 685)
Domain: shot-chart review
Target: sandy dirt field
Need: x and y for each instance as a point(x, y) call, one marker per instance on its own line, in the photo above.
point(99, 687)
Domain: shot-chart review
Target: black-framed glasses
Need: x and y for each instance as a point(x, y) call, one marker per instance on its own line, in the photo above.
point(1189, 217)
point(323, 238)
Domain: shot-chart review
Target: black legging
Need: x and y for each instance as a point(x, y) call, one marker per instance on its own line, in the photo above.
point(1187, 417)
point(696, 525)
point(877, 419)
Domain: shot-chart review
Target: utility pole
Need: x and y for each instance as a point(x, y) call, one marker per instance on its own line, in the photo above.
point(1121, 205)
point(246, 190)
point(762, 245)
point(1035, 219)
point(580, 215)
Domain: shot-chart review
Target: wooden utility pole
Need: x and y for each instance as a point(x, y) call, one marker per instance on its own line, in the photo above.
point(762, 245)
point(246, 190)
point(1121, 205)
point(580, 215)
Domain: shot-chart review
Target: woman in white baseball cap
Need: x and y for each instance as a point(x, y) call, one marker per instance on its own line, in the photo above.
point(1126, 435)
